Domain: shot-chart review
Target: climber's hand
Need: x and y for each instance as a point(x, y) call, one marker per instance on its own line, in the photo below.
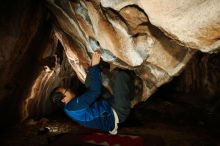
point(96, 57)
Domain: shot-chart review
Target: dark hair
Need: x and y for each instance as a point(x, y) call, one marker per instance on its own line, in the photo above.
point(56, 98)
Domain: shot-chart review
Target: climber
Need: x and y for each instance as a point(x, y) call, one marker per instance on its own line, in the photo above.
point(90, 110)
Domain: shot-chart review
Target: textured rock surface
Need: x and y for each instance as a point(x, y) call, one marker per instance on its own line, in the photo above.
point(44, 45)
point(126, 37)
point(195, 24)
point(23, 37)
point(32, 61)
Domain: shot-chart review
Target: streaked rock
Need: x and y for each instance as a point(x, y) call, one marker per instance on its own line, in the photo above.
point(126, 37)
point(195, 24)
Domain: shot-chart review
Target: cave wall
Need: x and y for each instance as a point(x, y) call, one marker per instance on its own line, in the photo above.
point(201, 77)
point(28, 50)
point(32, 61)
point(44, 44)
point(25, 32)
point(198, 83)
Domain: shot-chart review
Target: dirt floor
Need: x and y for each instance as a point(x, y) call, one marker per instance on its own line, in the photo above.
point(158, 122)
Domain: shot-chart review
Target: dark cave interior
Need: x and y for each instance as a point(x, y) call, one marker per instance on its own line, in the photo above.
point(183, 112)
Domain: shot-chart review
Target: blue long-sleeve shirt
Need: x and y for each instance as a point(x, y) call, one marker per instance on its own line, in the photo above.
point(87, 109)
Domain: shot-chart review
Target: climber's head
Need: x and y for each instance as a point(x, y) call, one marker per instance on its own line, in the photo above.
point(61, 96)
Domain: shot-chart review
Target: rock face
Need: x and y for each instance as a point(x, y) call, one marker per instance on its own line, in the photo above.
point(185, 21)
point(22, 45)
point(47, 44)
point(127, 40)
point(32, 61)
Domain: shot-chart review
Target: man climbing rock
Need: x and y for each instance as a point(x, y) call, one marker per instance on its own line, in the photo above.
point(92, 111)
